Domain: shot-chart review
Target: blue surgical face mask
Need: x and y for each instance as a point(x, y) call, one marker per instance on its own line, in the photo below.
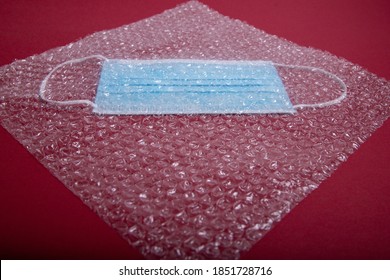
point(190, 87)
point(140, 87)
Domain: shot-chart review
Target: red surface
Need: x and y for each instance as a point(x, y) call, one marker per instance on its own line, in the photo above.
point(348, 217)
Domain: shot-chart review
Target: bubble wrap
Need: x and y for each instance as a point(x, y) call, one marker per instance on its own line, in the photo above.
point(190, 186)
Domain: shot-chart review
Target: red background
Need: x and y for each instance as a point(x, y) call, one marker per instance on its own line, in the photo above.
point(348, 217)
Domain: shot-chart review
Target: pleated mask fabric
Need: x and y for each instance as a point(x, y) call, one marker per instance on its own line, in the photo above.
point(190, 87)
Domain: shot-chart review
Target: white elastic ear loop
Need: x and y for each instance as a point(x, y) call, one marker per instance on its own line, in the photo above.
point(42, 88)
point(333, 76)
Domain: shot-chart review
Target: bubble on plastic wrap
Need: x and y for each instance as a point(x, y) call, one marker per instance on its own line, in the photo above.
point(194, 186)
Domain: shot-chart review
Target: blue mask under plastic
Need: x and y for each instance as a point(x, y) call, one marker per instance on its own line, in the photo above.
point(190, 87)
point(174, 86)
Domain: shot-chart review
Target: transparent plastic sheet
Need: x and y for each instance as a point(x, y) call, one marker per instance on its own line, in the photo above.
point(190, 186)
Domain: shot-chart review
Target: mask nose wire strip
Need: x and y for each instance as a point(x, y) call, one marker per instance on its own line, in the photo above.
point(42, 88)
point(333, 76)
